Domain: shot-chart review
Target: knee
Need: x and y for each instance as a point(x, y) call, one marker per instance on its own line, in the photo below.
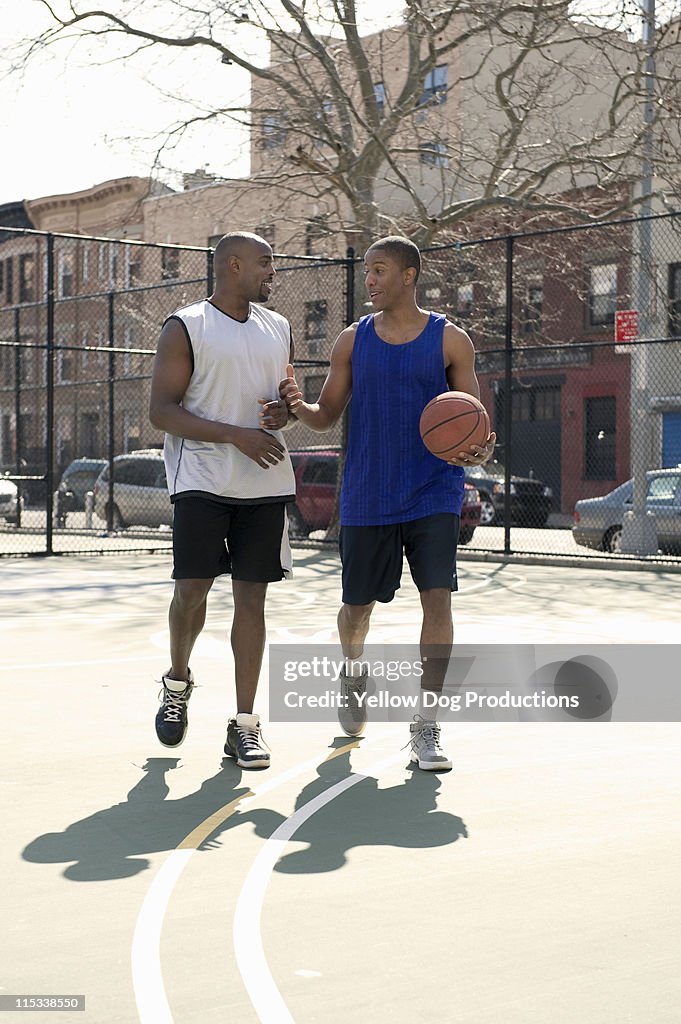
point(190, 594)
point(356, 616)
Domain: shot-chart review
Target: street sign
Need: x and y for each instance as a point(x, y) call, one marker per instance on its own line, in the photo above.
point(626, 329)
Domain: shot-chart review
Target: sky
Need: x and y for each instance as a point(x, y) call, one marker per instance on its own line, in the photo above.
point(75, 116)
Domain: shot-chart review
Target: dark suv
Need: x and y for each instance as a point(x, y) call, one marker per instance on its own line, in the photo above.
point(316, 472)
point(531, 500)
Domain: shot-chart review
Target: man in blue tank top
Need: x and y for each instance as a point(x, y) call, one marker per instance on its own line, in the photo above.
point(396, 498)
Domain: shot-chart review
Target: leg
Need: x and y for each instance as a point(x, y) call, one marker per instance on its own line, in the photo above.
point(353, 626)
point(186, 618)
point(437, 635)
point(248, 639)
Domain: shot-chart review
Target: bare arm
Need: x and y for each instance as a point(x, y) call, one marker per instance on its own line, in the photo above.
point(170, 380)
point(459, 355)
point(335, 394)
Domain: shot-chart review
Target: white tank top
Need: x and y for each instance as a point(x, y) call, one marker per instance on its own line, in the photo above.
point(235, 364)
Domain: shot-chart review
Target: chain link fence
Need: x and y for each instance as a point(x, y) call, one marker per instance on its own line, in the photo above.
point(575, 410)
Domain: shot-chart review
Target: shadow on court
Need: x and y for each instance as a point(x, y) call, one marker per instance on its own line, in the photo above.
point(112, 842)
point(403, 816)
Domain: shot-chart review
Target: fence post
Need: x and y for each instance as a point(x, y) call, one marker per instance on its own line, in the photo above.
point(210, 280)
point(17, 405)
point(111, 423)
point(49, 375)
point(508, 393)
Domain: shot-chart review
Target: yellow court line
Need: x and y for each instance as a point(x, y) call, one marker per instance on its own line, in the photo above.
point(199, 834)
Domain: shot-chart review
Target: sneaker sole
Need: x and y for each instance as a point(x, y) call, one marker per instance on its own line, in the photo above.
point(354, 732)
point(248, 764)
point(431, 766)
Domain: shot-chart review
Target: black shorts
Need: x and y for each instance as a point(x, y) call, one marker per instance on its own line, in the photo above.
point(372, 557)
point(211, 538)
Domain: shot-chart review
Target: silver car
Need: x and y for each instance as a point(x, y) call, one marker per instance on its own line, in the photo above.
point(598, 521)
point(140, 495)
point(9, 500)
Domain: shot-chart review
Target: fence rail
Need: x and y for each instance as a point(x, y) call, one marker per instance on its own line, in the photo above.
point(574, 407)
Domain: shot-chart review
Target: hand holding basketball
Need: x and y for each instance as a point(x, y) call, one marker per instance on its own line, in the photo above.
point(455, 427)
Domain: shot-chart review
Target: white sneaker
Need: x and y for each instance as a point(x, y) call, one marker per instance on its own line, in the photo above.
point(352, 716)
point(426, 751)
point(245, 742)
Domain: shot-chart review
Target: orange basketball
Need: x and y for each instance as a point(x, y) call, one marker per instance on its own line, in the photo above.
point(453, 421)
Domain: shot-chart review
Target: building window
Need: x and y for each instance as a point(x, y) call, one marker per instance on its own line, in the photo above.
point(521, 406)
point(133, 265)
point(602, 294)
point(464, 299)
point(434, 154)
point(65, 367)
point(27, 278)
point(86, 263)
point(599, 438)
point(435, 86)
point(315, 231)
point(9, 281)
point(675, 300)
point(312, 386)
point(379, 96)
point(531, 311)
point(547, 404)
point(274, 131)
point(170, 264)
point(2, 280)
point(266, 231)
point(113, 266)
point(315, 321)
point(65, 276)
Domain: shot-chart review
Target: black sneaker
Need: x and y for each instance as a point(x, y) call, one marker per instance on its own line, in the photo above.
point(245, 742)
point(171, 720)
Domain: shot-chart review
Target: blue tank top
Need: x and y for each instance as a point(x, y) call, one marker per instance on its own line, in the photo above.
point(390, 476)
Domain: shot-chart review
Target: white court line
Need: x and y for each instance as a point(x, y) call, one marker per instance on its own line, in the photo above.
point(147, 975)
point(19, 666)
point(250, 955)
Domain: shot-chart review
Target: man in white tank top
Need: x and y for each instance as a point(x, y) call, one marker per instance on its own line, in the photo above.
point(215, 393)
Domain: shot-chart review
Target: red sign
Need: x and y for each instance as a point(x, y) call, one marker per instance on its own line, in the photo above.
point(626, 325)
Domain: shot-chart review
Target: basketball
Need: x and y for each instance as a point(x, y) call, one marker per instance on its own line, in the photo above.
point(453, 421)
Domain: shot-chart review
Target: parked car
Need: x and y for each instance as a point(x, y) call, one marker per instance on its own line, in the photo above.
point(140, 495)
point(78, 478)
point(9, 500)
point(316, 472)
point(598, 521)
point(531, 499)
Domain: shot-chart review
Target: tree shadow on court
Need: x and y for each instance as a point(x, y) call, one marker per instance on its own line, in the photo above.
point(111, 843)
point(404, 816)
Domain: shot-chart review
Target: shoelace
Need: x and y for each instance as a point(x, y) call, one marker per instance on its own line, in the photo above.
point(430, 732)
point(251, 738)
point(173, 705)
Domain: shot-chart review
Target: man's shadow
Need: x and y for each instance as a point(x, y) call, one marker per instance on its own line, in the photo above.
point(109, 843)
point(404, 815)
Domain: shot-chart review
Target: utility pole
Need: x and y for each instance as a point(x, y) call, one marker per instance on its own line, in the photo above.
point(639, 536)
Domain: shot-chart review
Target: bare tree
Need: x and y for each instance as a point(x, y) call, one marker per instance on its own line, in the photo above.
point(467, 107)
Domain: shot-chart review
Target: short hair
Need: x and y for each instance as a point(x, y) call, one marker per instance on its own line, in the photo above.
point(402, 250)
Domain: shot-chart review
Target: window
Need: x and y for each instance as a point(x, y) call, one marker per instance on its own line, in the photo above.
point(316, 320)
point(379, 96)
point(27, 278)
point(133, 268)
point(65, 367)
point(434, 154)
point(312, 386)
point(9, 280)
point(521, 406)
point(315, 231)
point(113, 265)
point(65, 276)
point(662, 489)
point(274, 131)
point(86, 263)
point(547, 404)
point(435, 86)
point(531, 312)
point(464, 299)
point(170, 264)
point(602, 294)
point(266, 231)
point(674, 300)
point(599, 439)
point(2, 279)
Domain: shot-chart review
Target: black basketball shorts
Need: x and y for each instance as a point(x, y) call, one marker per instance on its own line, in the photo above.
point(211, 538)
point(372, 557)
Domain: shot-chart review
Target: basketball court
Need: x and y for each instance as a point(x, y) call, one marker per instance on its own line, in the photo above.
point(536, 881)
